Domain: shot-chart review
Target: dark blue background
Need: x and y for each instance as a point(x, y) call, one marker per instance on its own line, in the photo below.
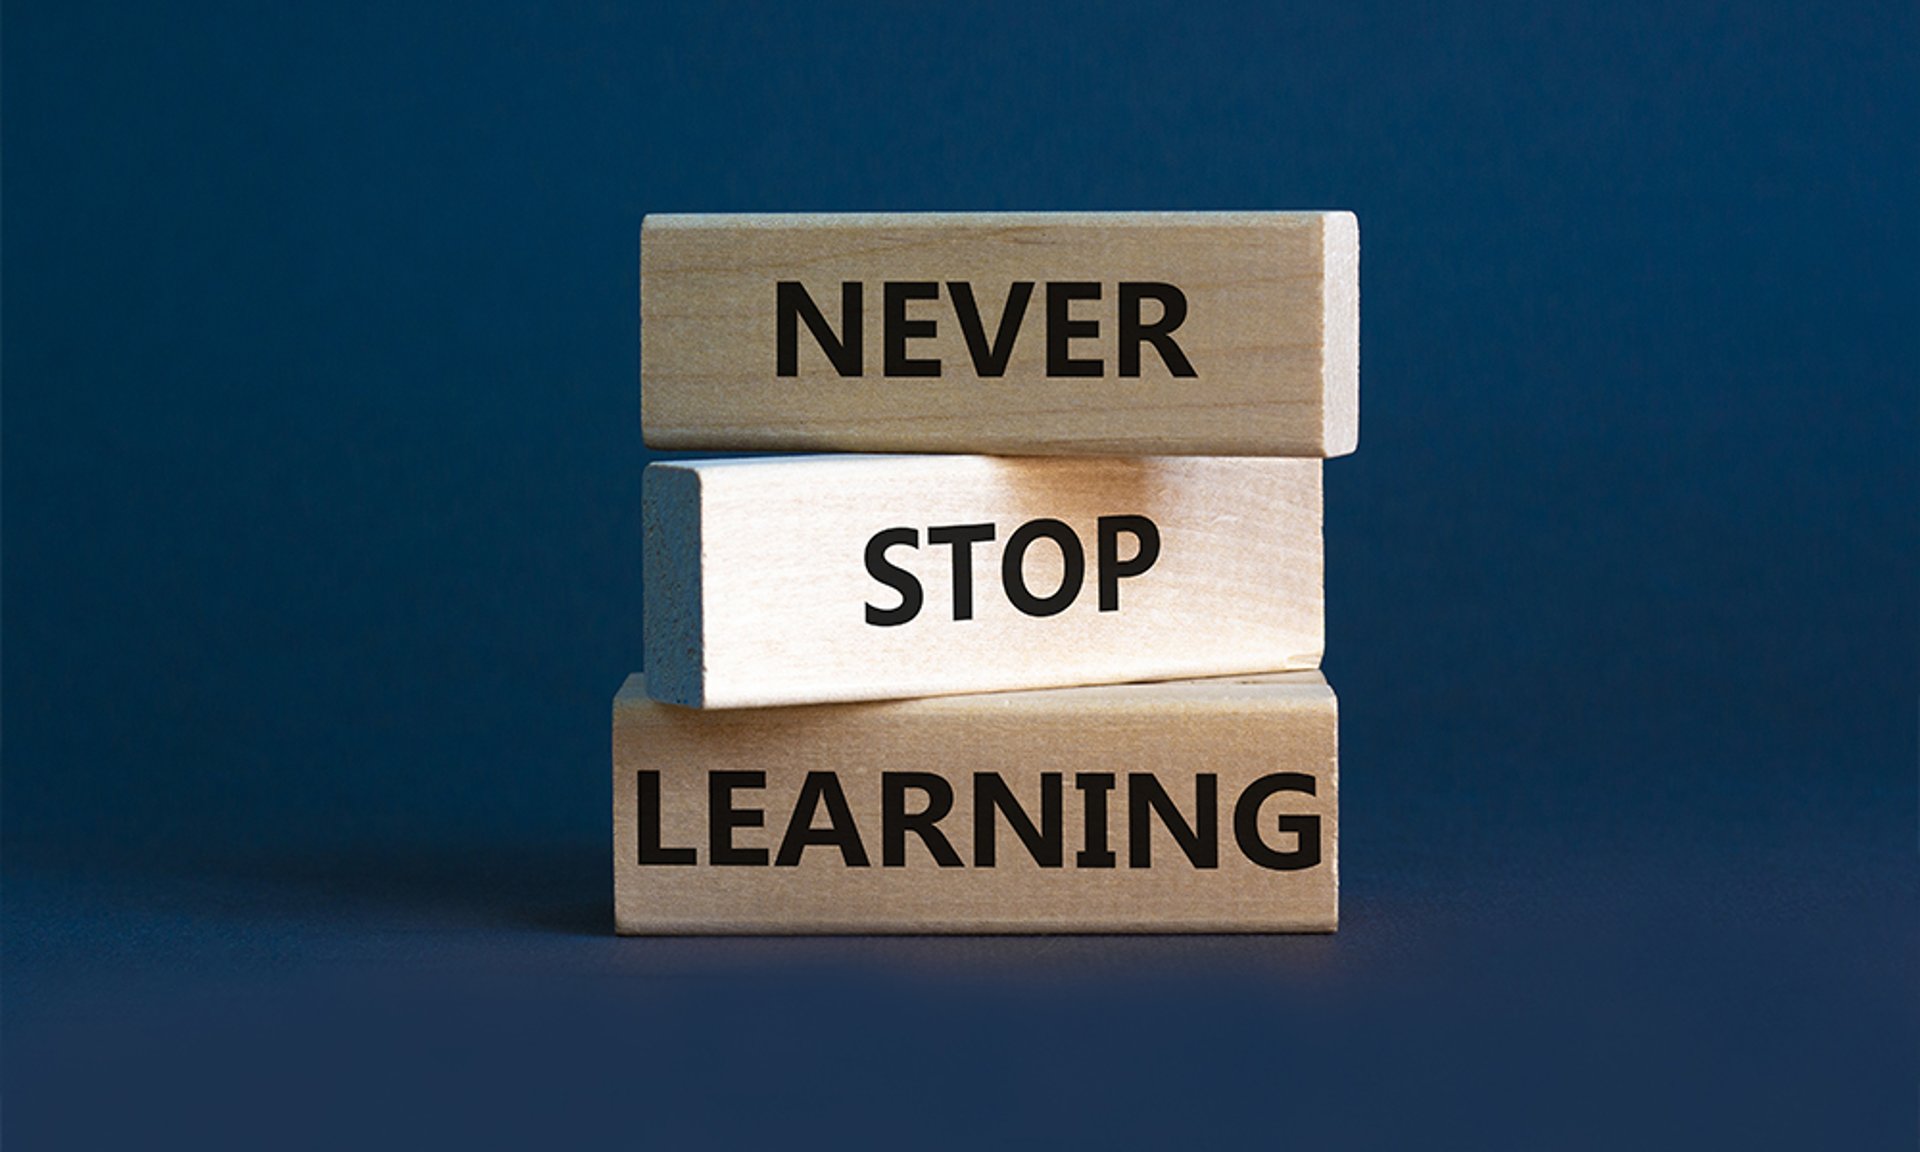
point(321, 463)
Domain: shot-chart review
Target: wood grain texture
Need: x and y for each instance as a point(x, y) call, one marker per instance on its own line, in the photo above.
point(1266, 847)
point(1271, 333)
point(759, 588)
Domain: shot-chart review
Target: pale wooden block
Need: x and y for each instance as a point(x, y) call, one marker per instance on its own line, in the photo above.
point(829, 818)
point(762, 585)
point(1265, 360)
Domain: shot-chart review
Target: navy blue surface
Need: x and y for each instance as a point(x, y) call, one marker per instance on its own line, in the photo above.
point(321, 467)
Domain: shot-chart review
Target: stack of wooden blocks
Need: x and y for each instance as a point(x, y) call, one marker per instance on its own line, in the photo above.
point(1049, 666)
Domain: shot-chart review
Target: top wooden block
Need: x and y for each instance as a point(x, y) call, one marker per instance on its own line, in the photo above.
point(1152, 333)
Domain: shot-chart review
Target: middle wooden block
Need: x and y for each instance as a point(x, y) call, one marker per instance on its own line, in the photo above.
point(827, 578)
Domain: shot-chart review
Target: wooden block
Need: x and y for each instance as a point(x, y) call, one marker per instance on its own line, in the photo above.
point(1196, 806)
point(824, 578)
point(1126, 333)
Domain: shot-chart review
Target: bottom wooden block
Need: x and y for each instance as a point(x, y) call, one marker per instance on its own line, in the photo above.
point(1192, 806)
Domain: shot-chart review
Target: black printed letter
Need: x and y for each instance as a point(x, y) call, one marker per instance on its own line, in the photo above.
point(792, 305)
point(1306, 829)
point(723, 817)
point(990, 360)
point(896, 329)
point(896, 821)
point(648, 816)
point(1112, 568)
point(1060, 329)
point(1073, 567)
point(1199, 840)
point(840, 832)
point(1096, 854)
point(1046, 844)
point(1173, 311)
point(896, 578)
point(962, 537)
